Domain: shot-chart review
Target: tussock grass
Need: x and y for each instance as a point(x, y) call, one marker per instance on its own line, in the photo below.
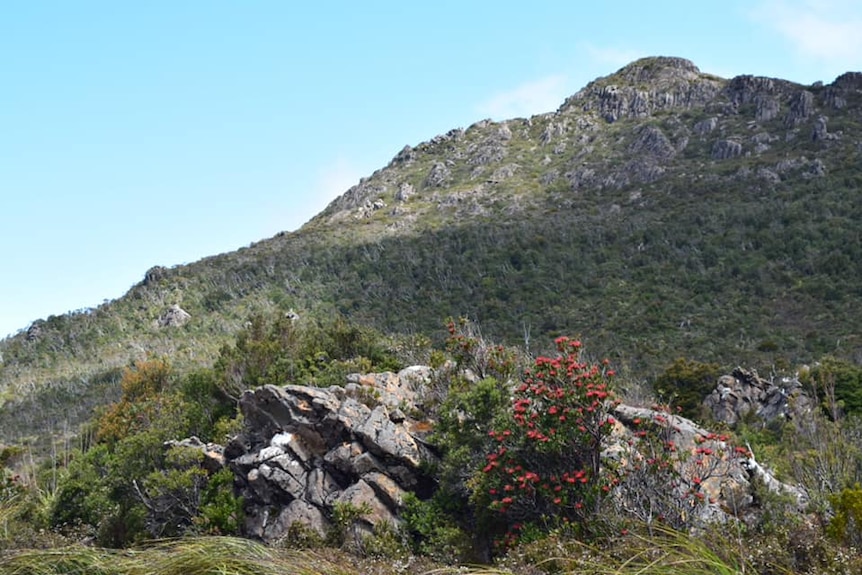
point(669, 553)
point(191, 556)
point(666, 552)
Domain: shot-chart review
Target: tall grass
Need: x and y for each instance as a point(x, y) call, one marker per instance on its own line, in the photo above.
point(192, 556)
point(667, 552)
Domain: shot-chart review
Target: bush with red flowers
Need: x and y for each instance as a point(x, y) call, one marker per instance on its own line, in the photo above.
point(546, 468)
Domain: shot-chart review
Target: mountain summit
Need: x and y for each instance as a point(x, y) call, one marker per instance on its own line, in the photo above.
point(660, 212)
point(645, 87)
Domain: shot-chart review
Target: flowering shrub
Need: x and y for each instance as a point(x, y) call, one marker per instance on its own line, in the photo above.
point(546, 469)
point(665, 482)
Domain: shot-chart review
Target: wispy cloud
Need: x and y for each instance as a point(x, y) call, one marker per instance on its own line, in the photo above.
point(530, 98)
point(335, 178)
point(330, 181)
point(825, 30)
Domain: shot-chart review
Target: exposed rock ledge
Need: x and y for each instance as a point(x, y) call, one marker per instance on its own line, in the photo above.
point(306, 449)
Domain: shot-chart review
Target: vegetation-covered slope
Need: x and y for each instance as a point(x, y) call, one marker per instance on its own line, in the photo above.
point(660, 212)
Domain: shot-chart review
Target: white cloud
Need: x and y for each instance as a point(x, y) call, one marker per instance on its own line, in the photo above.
point(825, 30)
point(536, 97)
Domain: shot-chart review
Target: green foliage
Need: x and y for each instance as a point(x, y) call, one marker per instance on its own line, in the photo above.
point(345, 531)
point(172, 492)
point(221, 511)
point(286, 350)
point(838, 385)
point(386, 542)
point(433, 530)
point(686, 383)
point(128, 486)
point(208, 408)
point(301, 536)
point(464, 418)
point(846, 524)
point(83, 494)
point(546, 468)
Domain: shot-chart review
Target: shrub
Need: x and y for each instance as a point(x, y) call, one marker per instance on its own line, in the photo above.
point(546, 469)
point(345, 531)
point(846, 525)
point(433, 531)
point(662, 483)
point(838, 385)
point(221, 511)
point(686, 383)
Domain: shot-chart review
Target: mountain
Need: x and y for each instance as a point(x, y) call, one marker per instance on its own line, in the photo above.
point(660, 212)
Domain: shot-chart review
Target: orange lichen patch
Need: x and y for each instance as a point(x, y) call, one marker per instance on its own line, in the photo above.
point(421, 426)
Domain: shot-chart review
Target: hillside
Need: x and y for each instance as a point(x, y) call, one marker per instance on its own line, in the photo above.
point(660, 212)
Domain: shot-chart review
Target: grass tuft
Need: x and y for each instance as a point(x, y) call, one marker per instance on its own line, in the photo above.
point(189, 556)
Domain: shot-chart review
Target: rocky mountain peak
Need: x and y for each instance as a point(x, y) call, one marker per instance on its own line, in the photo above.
point(644, 87)
point(657, 69)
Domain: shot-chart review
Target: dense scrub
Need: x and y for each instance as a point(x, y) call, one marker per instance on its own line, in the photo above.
point(520, 481)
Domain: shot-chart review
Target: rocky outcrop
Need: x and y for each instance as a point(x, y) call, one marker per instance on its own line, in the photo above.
point(154, 275)
point(743, 393)
point(726, 149)
point(801, 107)
point(305, 450)
point(651, 141)
point(405, 191)
point(645, 87)
point(174, 316)
point(438, 175)
point(34, 331)
point(715, 476)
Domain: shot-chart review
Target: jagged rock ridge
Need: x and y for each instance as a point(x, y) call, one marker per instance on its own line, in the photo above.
point(305, 449)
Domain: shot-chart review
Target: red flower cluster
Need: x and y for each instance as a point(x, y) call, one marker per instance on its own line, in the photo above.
point(547, 464)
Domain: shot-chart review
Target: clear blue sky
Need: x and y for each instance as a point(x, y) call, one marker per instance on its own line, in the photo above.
point(135, 134)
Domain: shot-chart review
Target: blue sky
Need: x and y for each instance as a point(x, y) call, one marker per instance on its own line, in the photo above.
point(135, 134)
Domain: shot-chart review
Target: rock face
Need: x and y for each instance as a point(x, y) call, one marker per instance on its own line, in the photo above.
point(305, 450)
point(744, 392)
point(668, 83)
point(175, 316)
point(708, 468)
point(308, 449)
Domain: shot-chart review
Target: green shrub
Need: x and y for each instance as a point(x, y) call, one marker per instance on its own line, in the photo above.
point(837, 384)
point(433, 531)
point(846, 524)
point(301, 536)
point(686, 383)
point(221, 511)
point(344, 530)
